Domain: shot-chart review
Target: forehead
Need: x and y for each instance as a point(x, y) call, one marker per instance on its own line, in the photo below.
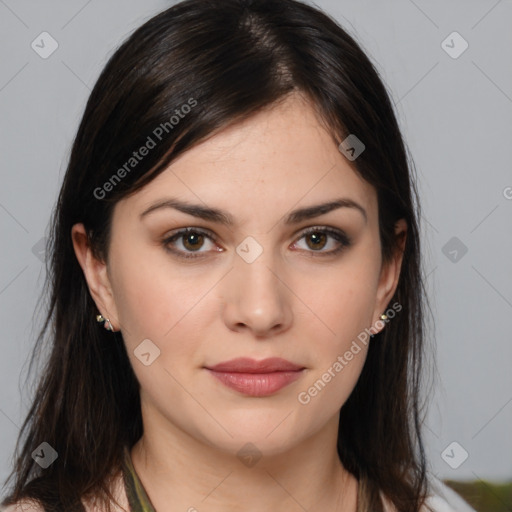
point(277, 159)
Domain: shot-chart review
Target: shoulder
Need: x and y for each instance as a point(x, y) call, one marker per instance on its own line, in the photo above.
point(445, 499)
point(441, 498)
point(23, 506)
point(117, 488)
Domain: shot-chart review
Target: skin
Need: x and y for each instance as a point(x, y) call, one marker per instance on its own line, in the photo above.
point(290, 302)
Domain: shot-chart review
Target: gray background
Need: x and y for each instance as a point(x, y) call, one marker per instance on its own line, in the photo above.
point(456, 115)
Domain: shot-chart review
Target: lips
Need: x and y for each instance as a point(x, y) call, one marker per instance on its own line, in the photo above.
point(256, 378)
point(247, 365)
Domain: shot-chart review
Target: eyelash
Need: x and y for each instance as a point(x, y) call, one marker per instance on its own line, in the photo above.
point(338, 235)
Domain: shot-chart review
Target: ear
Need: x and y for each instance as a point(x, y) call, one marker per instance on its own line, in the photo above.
point(96, 275)
point(390, 273)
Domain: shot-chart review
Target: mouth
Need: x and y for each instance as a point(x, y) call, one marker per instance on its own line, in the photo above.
point(256, 378)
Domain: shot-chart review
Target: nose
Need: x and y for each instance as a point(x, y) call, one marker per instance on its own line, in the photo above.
point(256, 297)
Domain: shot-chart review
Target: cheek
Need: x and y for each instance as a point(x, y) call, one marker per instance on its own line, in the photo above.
point(340, 343)
point(158, 302)
point(343, 305)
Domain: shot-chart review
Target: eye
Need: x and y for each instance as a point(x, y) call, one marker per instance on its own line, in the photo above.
point(193, 239)
point(316, 239)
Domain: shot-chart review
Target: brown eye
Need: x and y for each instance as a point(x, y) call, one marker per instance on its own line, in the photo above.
point(318, 238)
point(192, 240)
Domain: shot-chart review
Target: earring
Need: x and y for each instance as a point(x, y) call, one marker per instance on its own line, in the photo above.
point(108, 323)
point(382, 317)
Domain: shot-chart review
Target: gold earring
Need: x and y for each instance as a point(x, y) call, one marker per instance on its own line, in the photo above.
point(383, 317)
point(108, 323)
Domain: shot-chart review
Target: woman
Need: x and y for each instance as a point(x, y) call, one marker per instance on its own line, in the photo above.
point(238, 213)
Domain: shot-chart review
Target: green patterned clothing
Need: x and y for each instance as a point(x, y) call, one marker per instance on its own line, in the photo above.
point(135, 492)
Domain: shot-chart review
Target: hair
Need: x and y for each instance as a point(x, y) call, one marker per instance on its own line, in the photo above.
point(227, 60)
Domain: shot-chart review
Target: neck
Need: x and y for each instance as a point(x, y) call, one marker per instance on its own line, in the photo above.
point(180, 472)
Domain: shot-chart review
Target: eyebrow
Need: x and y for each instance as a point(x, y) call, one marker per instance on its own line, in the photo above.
point(225, 218)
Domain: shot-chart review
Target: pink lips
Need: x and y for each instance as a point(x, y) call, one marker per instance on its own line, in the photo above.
point(256, 378)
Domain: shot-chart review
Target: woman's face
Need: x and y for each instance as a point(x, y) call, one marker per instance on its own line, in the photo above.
point(257, 288)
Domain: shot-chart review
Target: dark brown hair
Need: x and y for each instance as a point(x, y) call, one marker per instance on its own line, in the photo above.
point(229, 59)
